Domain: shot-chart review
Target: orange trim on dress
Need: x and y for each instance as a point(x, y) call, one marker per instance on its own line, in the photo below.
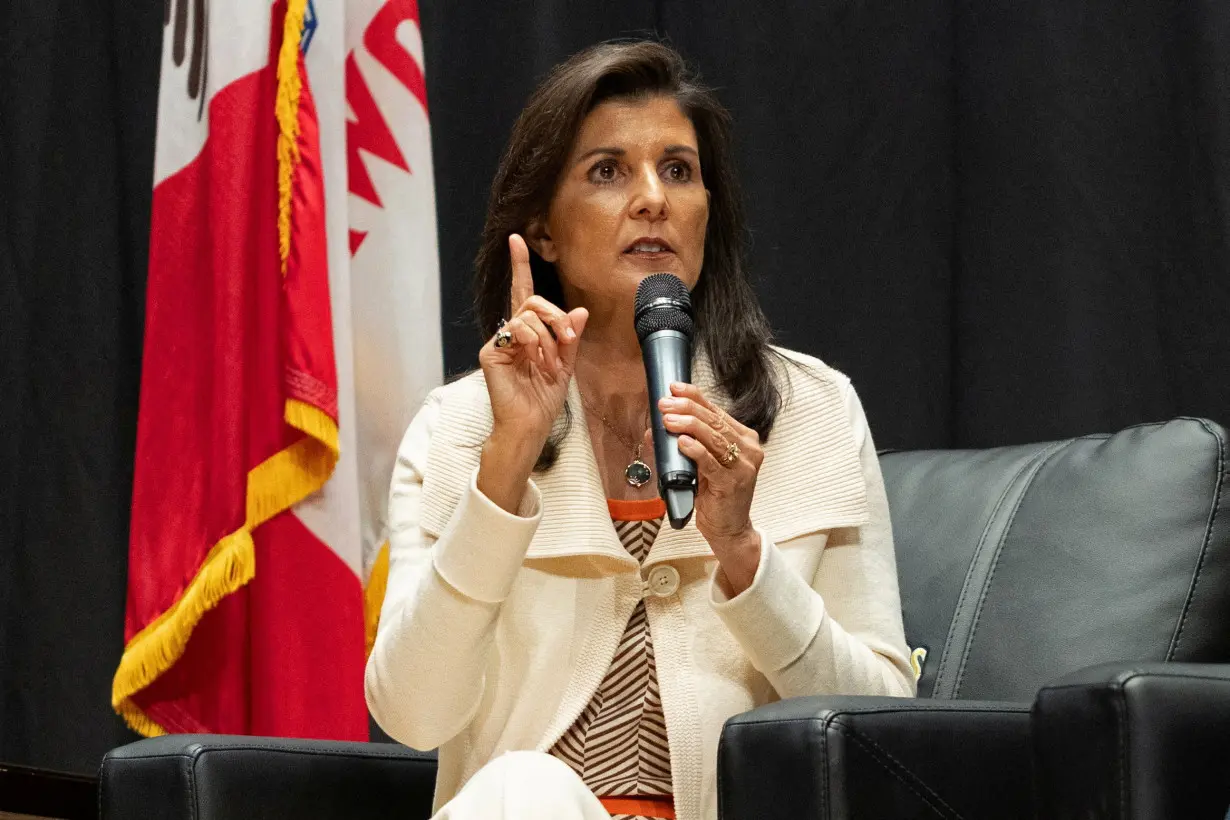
point(636, 509)
point(641, 805)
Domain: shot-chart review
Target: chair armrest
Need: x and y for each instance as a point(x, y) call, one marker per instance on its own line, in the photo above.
point(211, 777)
point(1135, 741)
point(848, 758)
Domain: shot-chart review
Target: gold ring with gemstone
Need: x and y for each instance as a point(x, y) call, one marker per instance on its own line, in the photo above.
point(732, 455)
point(503, 336)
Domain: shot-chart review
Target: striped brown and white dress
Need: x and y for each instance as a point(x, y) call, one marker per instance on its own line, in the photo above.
point(618, 744)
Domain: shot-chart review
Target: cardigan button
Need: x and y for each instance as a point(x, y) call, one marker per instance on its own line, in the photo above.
point(663, 581)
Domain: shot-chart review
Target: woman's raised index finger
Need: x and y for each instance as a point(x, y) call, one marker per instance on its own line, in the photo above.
point(522, 278)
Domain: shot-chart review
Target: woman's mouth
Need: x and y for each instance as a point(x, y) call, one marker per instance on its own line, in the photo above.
point(649, 249)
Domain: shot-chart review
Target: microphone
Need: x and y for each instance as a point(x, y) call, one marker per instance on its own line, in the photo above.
point(664, 328)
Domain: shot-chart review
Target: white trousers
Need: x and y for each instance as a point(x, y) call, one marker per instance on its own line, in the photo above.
point(524, 786)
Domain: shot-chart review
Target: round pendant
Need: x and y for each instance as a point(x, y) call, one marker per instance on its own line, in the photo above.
point(638, 473)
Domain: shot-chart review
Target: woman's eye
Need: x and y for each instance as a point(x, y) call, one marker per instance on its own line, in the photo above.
point(604, 171)
point(679, 172)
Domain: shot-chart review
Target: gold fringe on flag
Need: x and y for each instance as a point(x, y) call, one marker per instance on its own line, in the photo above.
point(155, 649)
point(373, 594)
point(286, 107)
point(275, 485)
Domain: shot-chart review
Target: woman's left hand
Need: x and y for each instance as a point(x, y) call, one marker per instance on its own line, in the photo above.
point(728, 456)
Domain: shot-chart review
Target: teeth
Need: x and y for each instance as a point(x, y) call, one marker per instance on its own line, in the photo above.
point(647, 247)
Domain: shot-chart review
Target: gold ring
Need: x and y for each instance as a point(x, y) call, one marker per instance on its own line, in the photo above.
point(503, 337)
point(732, 455)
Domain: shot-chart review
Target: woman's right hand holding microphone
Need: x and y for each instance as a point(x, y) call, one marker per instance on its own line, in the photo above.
point(527, 382)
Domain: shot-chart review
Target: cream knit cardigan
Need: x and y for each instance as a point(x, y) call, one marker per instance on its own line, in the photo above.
point(497, 628)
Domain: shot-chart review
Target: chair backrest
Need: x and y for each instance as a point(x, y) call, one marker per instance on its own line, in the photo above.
point(1021, 564)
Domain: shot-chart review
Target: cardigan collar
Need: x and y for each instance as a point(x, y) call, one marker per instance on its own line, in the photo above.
point(811, 455)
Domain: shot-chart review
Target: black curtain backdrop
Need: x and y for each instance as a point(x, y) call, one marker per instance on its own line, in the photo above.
point(78, 86)
point(1006, 221)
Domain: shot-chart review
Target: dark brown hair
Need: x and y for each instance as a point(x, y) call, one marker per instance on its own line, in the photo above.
point(730, 326)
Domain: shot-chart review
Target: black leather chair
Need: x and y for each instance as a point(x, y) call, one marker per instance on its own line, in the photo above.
point(1048, 585)
point(1073, 603)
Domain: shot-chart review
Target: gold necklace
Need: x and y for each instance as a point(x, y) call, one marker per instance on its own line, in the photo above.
point(637, 473)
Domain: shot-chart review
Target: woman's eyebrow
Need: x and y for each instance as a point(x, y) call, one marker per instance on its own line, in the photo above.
point(611, 151)
point(614, 152)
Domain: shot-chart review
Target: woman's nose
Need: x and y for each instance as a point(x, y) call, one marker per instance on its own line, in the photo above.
point(649, 196)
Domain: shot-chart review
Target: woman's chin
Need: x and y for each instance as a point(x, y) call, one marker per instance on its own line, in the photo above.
point(619, 284)
point(640, 265)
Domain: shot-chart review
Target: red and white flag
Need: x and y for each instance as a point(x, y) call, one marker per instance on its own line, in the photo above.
point(376, 138)
point(291, 331)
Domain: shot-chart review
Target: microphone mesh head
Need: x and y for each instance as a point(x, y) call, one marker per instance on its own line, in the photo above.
point(673, 312)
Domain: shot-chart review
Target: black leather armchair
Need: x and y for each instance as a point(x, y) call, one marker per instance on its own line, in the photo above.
point(1073, 602)
point(1073, 599)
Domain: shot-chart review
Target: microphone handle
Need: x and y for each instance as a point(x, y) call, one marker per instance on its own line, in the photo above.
point(668, 358)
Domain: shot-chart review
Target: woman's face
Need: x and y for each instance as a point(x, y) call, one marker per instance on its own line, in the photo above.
point(630, 202)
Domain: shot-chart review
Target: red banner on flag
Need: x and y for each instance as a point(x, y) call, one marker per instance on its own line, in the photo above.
point(239, 619)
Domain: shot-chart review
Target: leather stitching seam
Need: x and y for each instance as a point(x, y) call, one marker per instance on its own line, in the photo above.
point(834, 719)
point(947, 708)
point(1118, 700)
point(826, 807)
point(1208, 536)
point(1133, 674)
point(1045, 458)
point(101, 785)
point(194, 799)
point(1120, 706)
point(951, 638)
point(190, 756)
point(899, 771)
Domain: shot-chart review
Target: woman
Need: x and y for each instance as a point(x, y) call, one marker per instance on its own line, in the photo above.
point(534, 604)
